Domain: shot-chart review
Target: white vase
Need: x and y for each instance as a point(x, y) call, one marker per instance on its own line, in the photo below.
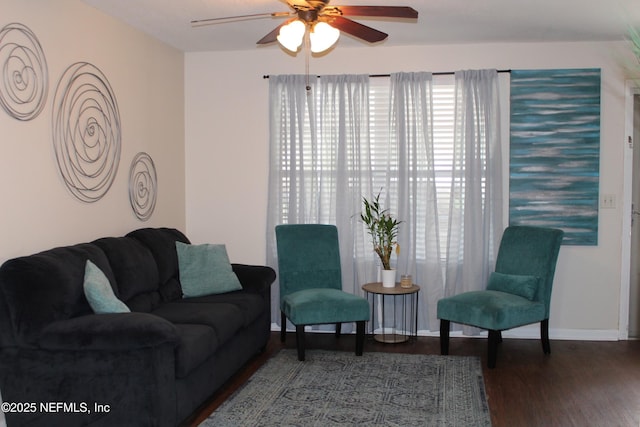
point(388, 278)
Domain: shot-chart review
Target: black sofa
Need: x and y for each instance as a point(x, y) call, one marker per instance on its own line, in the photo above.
point(61, 364)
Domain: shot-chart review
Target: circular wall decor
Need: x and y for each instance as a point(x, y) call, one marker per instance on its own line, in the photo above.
point(86, 131)
point(25, 79)
point(143, 186)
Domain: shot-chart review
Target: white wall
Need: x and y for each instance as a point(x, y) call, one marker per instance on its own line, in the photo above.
point(37, 211)
point(227, 139)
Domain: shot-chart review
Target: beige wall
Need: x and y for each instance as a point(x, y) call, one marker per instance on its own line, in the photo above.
point(227, 139)
point(37, 211)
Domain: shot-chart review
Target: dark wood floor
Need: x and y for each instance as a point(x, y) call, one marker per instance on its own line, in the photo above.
point(579, 384)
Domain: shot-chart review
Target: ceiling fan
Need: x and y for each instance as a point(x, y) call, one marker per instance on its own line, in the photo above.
point(321, 22)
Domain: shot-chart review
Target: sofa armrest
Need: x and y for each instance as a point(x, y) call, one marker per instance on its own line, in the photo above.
point(118, 331)
point(255, 278)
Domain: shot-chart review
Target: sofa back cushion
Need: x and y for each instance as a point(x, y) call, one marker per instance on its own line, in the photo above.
point(162, 244)
point(39, 289)
point(135, 271)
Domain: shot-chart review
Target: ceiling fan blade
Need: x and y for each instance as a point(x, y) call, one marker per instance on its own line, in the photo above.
point(223, 20)
point(356, 29)
point(273, 35)
point(380, 11)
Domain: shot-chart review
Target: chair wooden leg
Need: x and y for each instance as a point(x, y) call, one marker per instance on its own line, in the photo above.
point(338, 329)
point(492, 344)
point(444, 336)
point(300, 341)
point(544, 336)
point(283, 327)
point(360, 337)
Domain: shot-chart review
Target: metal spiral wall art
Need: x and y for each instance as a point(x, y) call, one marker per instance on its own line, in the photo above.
point(143, 186)
point(86, 131)
point(25, 79)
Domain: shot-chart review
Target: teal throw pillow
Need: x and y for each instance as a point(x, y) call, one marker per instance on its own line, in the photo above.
point(205, 270)
point(521, 285)
point(99, 293)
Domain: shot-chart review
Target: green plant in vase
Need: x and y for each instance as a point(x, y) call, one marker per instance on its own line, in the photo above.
point(383, 229)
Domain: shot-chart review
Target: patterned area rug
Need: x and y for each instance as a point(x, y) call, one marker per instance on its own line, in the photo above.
point(341, 389)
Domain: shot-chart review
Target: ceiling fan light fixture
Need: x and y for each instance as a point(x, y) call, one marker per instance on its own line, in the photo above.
point(291, 35)
point(323, 36)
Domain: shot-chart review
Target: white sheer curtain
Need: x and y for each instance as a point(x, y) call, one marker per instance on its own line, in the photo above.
point(319, 149)
point(411, 179)
point(476, 223)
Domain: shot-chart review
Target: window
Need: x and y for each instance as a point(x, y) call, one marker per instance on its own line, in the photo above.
point(316, 157)
point(443, 133)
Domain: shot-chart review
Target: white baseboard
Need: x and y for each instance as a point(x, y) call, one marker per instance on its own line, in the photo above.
point(533, 332)
point(528, 332)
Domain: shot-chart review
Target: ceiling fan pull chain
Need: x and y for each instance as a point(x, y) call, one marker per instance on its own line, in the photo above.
point(307, 54)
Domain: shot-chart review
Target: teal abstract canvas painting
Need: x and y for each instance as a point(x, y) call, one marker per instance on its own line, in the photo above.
point(555, 151)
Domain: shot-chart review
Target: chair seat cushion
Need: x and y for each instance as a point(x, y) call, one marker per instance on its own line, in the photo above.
point(321, 306)
point(493, 310)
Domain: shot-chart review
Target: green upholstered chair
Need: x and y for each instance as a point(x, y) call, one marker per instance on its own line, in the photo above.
point(518, 292)
point(311, 283)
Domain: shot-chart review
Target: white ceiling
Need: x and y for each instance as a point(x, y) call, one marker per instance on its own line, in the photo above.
point(439, 21)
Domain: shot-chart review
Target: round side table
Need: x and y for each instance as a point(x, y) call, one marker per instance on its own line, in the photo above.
point(408, 327)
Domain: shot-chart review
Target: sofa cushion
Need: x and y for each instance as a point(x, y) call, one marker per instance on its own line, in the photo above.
point(224, 319)
point(162, 244)
point(145, 303)
point(205, 270)
point(99, 293)
point(135, 271)
point(251, 305)
point(196, 343)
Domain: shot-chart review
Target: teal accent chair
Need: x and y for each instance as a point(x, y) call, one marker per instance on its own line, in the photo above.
point(518, 292)
point(311, 283)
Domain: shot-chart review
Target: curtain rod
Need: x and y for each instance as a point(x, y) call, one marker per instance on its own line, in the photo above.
point(441, 73)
